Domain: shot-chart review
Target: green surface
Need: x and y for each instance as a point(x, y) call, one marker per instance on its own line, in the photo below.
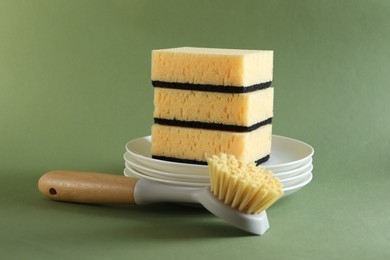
point(75, 87)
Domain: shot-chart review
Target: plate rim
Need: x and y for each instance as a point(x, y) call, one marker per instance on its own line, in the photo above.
point(293, 171)
point(150, 178)
point(286, 191)
point(162, 173)
point(202, 167)
point(300, 185)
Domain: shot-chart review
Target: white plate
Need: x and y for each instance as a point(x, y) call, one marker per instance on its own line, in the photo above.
point(294, 188)
point(140, 149)
point(294, 172)
point(285, 178)
point(129, 172)
point(133, 163)
point(290, 167)
point(286, 154)
point(166, 178)
point(288, 174)
point(286, 190)
point(295, 179)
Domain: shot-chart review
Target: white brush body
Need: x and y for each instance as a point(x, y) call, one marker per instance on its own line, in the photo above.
point(147, 192)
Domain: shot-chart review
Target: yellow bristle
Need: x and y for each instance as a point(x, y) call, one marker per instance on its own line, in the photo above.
point(251, 191)
point(238, 194)
point(256, 203)
point(232, 187)
point(246, 187)
point(222, 185)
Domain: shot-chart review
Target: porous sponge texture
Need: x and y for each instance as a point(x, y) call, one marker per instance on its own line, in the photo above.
point(195, 144)
point(227, 67)
point(212, 107)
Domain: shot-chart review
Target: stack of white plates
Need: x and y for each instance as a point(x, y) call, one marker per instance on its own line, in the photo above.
point(290, 161)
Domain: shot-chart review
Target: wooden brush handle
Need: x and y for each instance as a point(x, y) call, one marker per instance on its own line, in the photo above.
point(87, 187)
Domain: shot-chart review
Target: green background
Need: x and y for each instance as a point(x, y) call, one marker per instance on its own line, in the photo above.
point(75, 87)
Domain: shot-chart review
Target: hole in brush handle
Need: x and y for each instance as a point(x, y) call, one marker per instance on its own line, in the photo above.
point(53, 191)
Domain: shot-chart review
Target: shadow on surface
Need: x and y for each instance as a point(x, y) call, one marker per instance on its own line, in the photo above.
point(157, 221)
point(163, 221)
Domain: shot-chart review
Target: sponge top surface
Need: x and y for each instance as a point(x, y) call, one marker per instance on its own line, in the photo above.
point(211, 66)
point(212, 51)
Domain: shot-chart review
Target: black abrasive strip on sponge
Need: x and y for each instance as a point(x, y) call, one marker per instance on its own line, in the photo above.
point(212, 126)
point(211, 88)
point(189, 161)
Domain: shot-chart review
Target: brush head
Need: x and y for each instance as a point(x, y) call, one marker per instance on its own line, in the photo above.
point(242, 186)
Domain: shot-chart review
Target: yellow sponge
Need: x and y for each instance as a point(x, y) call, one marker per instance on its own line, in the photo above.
point(224, 67)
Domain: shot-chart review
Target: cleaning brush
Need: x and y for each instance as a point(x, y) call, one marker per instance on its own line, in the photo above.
point(237, 191)
point(245, 187)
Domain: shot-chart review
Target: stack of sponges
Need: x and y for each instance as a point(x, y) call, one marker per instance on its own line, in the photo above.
point(208, 101)
point(248, 188)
